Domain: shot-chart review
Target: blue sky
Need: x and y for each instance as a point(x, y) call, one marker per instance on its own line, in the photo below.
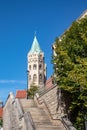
point(19, 19)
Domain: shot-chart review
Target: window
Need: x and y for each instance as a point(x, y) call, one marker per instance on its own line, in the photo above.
point(40, 78)
point(40, 56)
point(34, 77)
point(29, 67)
point(34, 67)
point(40, 67)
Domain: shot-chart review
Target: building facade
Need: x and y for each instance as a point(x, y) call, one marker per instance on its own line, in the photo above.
point(36, 67)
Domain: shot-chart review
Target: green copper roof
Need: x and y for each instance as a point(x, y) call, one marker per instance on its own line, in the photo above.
point(35, 46)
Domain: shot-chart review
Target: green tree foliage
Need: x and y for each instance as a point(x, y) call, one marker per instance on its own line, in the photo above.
point(31, 92)
point(70, 67)
point(1, 123)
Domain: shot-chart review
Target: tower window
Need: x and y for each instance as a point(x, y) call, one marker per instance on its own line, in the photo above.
point(40, 67)
point(29, 67)
point(34, 67)
point(40, 78)
point(34, 77)
point(40, 56)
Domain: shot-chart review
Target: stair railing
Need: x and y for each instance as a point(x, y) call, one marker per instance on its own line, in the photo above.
point(68, 125)
point(43, 91)
point(27, 116)
point(29, 121)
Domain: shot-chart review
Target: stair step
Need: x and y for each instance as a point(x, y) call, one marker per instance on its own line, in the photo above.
point(27, 103)
point(47, 127)
point(39, 116)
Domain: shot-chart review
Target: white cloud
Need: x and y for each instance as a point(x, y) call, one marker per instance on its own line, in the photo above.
point(12, 81)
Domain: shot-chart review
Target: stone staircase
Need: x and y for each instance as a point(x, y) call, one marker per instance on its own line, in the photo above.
point(39, 113)
point(51, 98)
point(41, 120)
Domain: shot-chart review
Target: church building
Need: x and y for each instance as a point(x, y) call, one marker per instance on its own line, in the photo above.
point(36, 68)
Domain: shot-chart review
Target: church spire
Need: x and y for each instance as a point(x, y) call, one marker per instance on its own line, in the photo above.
point(35, 46)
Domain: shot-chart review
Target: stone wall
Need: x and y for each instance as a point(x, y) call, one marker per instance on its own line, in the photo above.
point(52, 98)
point(13, 115)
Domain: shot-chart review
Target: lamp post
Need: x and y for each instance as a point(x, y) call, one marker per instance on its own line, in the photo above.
point(27, 82)
point(1, 104)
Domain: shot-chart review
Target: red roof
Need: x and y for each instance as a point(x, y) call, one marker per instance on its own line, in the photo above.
point(1, 112)
point(21, 94)
point(49, 83)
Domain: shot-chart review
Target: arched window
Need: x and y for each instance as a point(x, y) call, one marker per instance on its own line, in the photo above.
point(40, 78)
point(34, 78)
point(40, 67)
point(34, 67)
point(29, 67)
point(40, 56)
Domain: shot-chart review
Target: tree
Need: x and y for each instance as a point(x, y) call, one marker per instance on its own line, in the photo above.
point(1, 123)
point(70, 68)
point(31, 92)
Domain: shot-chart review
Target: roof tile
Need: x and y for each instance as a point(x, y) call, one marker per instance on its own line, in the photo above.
point(1, 112)
point(49, 83)
point(21, 94)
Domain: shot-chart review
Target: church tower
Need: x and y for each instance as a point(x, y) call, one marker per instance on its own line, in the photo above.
point(36, 67)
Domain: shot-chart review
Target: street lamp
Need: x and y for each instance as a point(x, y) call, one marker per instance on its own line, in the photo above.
point(27, 82)
point(1, 104)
